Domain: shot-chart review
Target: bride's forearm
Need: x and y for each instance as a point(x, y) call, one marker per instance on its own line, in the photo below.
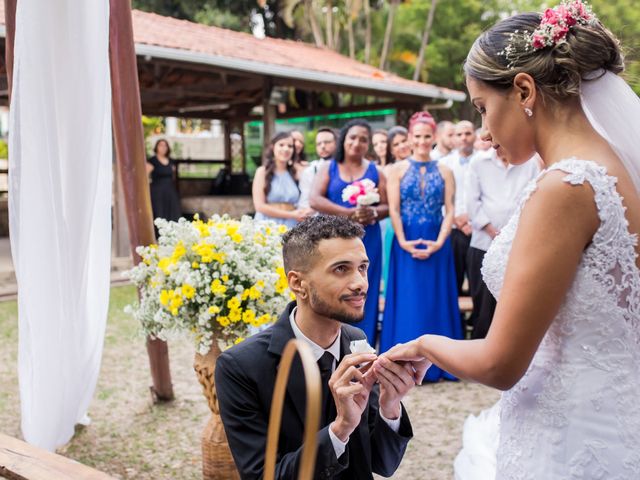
point(467, 359)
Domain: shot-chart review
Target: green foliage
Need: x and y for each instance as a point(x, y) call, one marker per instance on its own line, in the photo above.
point(211, 15)
point(4, 149)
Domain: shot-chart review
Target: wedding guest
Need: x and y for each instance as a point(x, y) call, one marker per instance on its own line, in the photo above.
point(421, 296)
point(364, 428)
point(325, 149)
point(493, 189)
point(481, 145)
point(348, 166)
point(398, 149)
point(165, 202)
point(458, 161)
point(275, 190)
point(299, 155)
point(445, 140)
point(379, 142)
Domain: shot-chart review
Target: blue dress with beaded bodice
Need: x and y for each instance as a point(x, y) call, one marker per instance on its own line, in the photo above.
point(421, 296)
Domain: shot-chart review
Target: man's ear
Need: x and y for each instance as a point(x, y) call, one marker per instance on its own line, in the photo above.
point(297, 284)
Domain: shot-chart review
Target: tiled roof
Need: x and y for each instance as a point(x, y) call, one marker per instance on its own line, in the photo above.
point(285, 57)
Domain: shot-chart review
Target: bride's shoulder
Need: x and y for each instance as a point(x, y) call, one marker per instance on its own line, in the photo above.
point(565, 193)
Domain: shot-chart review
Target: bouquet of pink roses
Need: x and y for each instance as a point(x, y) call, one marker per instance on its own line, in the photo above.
point(361, 193)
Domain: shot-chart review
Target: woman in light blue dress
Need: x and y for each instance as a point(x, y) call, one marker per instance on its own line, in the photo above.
point(421, 295)
point(275, 190)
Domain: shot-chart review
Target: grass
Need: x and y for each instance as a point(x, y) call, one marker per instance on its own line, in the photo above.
point(131, 438)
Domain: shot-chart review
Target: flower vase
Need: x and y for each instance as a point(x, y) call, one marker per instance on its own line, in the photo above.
point(217, 461)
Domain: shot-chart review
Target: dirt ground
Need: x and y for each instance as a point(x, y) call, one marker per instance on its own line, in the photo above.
point(130, 438)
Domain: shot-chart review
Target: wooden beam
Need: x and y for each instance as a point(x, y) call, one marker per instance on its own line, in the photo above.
point(130, 152)
point(21, 461)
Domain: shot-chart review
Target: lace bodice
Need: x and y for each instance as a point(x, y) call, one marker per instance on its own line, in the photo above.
point(422, 193)
point(575, 414)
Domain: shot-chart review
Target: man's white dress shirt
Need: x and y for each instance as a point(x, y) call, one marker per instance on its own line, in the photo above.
point(306, 182)
point(459, 165)
point(493, 190)
point(334, 349)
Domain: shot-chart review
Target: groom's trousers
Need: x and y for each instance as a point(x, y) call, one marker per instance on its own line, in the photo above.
point(484, 304)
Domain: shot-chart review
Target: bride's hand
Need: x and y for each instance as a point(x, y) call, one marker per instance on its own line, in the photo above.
point(411, 352)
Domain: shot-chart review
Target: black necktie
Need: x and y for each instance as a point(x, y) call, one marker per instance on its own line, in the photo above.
point(326, 366)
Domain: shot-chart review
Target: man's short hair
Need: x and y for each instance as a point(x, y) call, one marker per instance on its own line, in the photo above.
point(300, 244)
point(328, 130)
point(443, 124)
point(465, 124)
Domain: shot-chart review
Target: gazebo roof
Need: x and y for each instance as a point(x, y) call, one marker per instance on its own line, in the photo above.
point(189, 69)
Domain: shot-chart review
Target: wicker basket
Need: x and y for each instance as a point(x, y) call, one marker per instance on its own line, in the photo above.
point(217, 462)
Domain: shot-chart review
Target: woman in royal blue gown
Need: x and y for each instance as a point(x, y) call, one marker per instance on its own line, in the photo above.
point(350, 165)
point(421, 295)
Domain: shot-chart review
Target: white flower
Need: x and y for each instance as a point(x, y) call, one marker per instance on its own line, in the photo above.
point(361, 346)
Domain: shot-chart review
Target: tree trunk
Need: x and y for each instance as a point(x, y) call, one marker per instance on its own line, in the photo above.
point(329, 25)
point(313, 21)
point(393, 6)
point(425, 39)
point(352, 43)
point(367, 32)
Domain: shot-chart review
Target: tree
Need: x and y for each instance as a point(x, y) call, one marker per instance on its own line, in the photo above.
point(425, 39)
point(393, 6)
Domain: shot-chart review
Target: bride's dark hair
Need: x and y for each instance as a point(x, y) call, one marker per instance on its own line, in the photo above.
point(558, 70)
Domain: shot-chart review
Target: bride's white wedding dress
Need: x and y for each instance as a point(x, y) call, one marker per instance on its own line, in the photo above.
point(575, 414)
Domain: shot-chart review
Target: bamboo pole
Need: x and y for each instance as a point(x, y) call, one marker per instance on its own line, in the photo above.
point(130, 152)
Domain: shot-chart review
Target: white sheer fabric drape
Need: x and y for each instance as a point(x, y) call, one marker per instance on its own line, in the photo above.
point(59, 208)
point(613, 109)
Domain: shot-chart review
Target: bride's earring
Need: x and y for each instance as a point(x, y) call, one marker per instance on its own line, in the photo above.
point(528, 111)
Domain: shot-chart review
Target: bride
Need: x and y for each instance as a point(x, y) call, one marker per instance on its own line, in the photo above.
point(564, 344)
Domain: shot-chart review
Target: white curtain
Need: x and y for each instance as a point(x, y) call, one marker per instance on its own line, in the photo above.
point(59, 208)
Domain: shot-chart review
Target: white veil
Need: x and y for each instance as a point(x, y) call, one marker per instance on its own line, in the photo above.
point(613, 109)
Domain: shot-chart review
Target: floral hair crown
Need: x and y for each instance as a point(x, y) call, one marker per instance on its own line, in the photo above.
point(553, 29)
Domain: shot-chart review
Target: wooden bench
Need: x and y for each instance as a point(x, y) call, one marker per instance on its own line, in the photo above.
point(21, 461)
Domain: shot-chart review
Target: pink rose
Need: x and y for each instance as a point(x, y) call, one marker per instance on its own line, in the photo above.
point(559, 33)
point(538, 41)
point(549, 17)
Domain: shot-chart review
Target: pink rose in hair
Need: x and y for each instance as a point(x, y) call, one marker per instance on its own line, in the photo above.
point(560, 32)
point(538, 41)
point(550, 17)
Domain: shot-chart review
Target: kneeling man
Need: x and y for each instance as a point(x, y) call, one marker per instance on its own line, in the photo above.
point(364, 427)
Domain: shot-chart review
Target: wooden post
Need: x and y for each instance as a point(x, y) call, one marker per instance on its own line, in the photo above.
point(130, 152)
point(10, 25)
point(268, 114)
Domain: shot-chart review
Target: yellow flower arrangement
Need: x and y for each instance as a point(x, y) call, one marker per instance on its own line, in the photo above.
point(222, 279)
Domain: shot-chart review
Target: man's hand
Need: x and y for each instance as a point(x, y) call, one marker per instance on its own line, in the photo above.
point(350, 389)
point(396, 379)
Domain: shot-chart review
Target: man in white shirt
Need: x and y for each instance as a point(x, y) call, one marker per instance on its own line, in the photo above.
point(458, 161)
point(493, 189)
point(364, 427)
point(325, 148)
point(445, 139)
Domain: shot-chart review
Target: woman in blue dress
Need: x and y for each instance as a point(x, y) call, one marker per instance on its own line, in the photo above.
point(421, 294)
point(350, 165)
point(275, 190)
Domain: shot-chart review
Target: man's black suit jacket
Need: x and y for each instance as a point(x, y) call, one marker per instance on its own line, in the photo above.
point(245, 379)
